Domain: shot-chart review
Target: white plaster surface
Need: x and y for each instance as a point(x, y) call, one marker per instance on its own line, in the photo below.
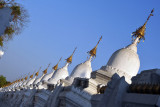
point(38, 79)
point(61, 73)
point(82, 70)
point(125, 62)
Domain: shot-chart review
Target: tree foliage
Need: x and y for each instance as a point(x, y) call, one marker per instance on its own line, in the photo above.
point(2, 81)
point(20, 17)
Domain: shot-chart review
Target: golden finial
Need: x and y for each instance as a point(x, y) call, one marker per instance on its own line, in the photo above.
point(22, 79)
point(26, 78)
point(140, 32)
point(37, 73)
point(93, 51)
point(45, 71)
point(32, 74)
point(56, 66)
point(69, 60)
point(19, 80)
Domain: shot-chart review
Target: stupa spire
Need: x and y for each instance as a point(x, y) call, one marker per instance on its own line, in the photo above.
point(93, 51)
point(56, 66)
point(45, 71)
point(37, 73)
point(18, 80)
point(27, 76)
point(140, 32)
point(69, 60)
point(22, 79)
point(32, 74)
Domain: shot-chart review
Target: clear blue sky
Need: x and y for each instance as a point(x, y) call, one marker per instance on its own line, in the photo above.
point(56, 27)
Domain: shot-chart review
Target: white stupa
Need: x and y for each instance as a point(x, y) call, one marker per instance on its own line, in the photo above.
point(48, 76)
point(25, 81)
point(21, 82)
point(39, 79)
point(125, 61)
point(61, 73)
point(16, 84)
point(31, 80)
point(42, 84)
point(84, 70)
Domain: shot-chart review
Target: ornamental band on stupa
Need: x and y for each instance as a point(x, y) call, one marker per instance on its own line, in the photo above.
point(116, 84)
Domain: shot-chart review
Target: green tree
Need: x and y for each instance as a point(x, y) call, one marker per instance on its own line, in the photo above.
point(2, 81)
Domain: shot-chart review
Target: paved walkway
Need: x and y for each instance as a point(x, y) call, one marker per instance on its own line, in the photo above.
point(4, 104)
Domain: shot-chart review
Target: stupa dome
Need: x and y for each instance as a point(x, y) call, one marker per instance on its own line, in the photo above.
point(125, 62)
point(82, 70)
point(61, 73)
point(38, 79)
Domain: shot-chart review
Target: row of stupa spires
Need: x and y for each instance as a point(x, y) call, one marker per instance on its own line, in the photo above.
point(137, 35)
point(92, 53)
